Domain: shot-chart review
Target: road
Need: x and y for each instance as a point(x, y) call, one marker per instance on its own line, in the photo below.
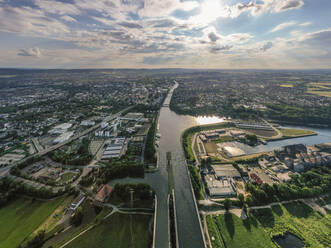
point(77, 136)
point(5, 171)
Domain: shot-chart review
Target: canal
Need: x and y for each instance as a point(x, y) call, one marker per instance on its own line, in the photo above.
point(171, 126)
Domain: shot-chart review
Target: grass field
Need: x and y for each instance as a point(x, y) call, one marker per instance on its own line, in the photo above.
point(119, 230)
point(299, 219)
point(289, 132)
point(21, 217)
point(287, 85)
point(241, 233)
point(320, 89)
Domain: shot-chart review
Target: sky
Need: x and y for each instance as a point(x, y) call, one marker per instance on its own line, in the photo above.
point(217, 34)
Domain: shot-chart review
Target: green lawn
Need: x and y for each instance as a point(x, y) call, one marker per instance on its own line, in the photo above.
point(214, 234)
point(242, 233)
point(299, 219)
point(289, 132)
point(21, 217)
point(119, 230)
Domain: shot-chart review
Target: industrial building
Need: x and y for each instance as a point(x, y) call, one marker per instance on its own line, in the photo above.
point(225, 171)
point(59, 129)
point(220, 188)
point(113, 148)
point(63, 137)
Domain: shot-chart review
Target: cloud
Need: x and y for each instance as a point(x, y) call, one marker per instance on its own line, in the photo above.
point(284, 5)
point(130, 25)
point(30, 52)
point(266, 46)
point(213, 37)
point(305, 24)
point(57, 7)
point(259, 7)
point(26, 20)
point(283, 26)
point(216, 49)
point(68, 18)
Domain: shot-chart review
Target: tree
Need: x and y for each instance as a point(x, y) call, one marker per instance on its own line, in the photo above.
point(227, 204)
point(241, 199)
point(77, 218)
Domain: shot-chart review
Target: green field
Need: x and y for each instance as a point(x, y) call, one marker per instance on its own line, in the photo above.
point(241, 233)
point(299, 219)
point(119, 230)
point(289, 132)
point(21, 217)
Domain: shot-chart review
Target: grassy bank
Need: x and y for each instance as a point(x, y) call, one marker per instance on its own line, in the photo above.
point(291, 133)
point(119, 230)
point(21, 217)
point(242, 233)
point(299, 219)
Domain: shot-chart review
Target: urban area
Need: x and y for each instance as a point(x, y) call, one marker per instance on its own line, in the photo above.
point(165, 158)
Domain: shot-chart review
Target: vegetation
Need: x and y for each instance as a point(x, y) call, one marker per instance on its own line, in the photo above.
point(10, 189)
point(119, 230)
point(242, 233)
point(141, 191)
point(150, 144)
point(297, 114)
point(214, 233)
point(289, 132)
point(308, 184)
point(79, 156)
point(299, 219)
point(77, 218)
point(196, 183)
point(114, 171)
point(22, 217)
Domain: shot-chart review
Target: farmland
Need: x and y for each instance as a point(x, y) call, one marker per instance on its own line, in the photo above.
point(119, 230)
point(22, 217)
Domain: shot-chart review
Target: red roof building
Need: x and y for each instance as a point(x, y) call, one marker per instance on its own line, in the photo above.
point(103, 192)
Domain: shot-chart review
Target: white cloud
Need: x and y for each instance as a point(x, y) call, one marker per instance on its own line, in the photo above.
point(68, 18)
point(56, 7)
point(29, 21)
point(283, 26)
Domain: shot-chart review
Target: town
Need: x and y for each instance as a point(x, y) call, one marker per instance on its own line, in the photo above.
point(92, 157)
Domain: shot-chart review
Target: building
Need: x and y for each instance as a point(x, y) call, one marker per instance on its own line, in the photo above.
point(254, 126)
point(77, 202)
point(132, 117)
point(225, 171)
point(222, 188)
point(113, 148)
point(104, 192)
point(63, 137)
point(59, 129)
point(87, 123)
point(237, 133)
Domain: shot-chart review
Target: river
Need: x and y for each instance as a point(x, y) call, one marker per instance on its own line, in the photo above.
point(171, 126)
